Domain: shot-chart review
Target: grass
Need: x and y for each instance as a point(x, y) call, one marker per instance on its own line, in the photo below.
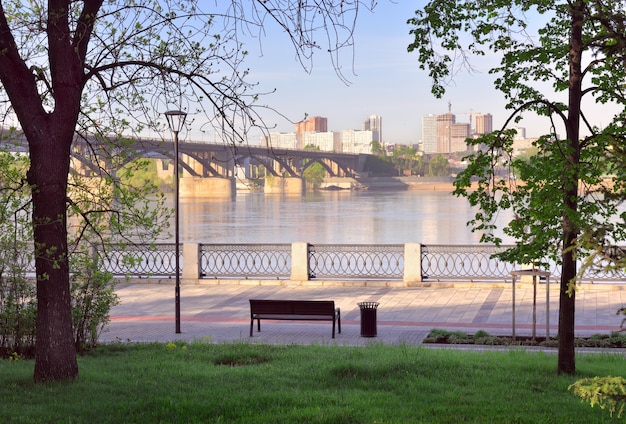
point(245, 383)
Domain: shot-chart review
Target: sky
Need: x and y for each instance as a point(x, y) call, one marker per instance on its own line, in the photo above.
point(384, 79)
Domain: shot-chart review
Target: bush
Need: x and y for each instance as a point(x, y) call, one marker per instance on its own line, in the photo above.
point(606, 392)
point(17, 316)
point(93, 296)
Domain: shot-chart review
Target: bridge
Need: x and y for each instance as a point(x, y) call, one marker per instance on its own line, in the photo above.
point(208, 169)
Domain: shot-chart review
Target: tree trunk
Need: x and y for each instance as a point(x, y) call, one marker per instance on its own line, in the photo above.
point(567, 306)
point(55, 357)
point(567, 299)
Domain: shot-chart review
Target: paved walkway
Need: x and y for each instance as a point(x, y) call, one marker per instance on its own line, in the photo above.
point(221, 313)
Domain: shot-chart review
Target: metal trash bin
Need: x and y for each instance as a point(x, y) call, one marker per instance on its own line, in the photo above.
point(368, 318)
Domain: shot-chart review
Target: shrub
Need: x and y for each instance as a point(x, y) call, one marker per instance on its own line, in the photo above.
point(17, 316)
point(606, 392)
point(93, 296)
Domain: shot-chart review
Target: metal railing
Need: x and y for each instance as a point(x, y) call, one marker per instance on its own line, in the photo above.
point(245, 260)
point(464, 262)
point(473, 263)
point(142, 260)
point(383, 261)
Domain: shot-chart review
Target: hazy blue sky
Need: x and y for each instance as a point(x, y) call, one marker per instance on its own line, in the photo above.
point(386, 81)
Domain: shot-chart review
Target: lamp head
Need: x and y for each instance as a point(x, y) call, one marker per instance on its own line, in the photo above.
point(175, 120)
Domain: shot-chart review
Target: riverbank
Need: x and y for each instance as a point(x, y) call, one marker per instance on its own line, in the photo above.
point(390, 183)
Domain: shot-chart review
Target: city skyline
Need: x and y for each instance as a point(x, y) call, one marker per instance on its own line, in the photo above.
point(386, 81)
point(380, 77)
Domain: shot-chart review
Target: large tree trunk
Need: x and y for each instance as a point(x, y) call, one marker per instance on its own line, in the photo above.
point(55, 351)
point(567, 304)
point(567, 299)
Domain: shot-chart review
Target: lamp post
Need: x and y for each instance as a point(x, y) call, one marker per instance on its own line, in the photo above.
point(176, 121)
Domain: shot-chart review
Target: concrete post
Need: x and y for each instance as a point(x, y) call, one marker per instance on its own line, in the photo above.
point(213, 187)
point(284, 185)
point(412, 263)
point(191, 261)
point(300, 261)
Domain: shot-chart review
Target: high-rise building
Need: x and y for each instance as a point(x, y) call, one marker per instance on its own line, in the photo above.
point(451, 135)
point(314, 124)
point(374, 123)
point(353, 141)
point(445, 125)
point(327, 141)
point(281, 141)
point(442, 134)
point(429, 134)
point(484, 124)
point(520, 133)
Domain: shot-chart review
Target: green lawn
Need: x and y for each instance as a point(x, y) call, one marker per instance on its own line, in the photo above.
point(243, 383)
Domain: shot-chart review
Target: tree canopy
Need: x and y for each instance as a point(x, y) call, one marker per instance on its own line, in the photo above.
point(103, 71)
point(566, 199)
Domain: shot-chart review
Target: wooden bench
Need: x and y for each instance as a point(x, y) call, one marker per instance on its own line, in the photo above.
point(314, 310)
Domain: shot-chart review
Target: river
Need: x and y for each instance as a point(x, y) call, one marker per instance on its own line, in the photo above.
point(342, 217)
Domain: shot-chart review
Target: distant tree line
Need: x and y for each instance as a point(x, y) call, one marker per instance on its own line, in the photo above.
point(406, 160)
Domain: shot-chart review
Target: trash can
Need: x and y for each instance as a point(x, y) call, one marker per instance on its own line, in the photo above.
point(368, 318)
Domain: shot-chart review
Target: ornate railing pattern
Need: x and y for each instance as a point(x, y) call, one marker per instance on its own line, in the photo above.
point(245, 260)
point(475, 263)
point(463, 262)
point(356, 261)
point(326, 261)
point(142, 260)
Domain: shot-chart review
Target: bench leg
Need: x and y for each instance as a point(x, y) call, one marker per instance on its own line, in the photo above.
point(252, 325)
point(339, 320)
point(333, 328)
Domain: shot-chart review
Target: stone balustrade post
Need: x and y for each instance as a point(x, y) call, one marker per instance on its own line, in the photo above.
point(191, 261)
point(300, 261)
point(412, 263)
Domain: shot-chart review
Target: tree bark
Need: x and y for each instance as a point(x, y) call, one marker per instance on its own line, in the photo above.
point(55, 357)
point(567, 299)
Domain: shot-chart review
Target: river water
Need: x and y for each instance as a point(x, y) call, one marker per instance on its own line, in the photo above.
point(342, 217)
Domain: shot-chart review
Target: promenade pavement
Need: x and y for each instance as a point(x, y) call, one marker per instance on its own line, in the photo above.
point(221, 313)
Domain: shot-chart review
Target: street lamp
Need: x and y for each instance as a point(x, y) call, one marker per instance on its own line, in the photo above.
point(176, 121)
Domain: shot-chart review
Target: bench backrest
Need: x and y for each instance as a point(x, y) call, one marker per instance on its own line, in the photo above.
point(292, 307)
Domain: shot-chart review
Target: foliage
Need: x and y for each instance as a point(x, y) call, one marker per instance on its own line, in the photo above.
point(438, 167)
point(567, 197)
point(379, 166)
point(93, 296)
point(615, 340)
point(377, 148)
point(85, 78)
point(17, 294)
point(605, 392)
point(142, 172)
point(95, 225)
point(314, 174)
point(404, 151)
point(17, 317)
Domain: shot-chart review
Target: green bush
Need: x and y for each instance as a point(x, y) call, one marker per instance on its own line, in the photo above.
point(606, 392)
point(93, 296)
point(17, 316)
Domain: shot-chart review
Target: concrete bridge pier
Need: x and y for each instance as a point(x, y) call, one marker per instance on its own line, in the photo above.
point(284, 185)
point(220, 187)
